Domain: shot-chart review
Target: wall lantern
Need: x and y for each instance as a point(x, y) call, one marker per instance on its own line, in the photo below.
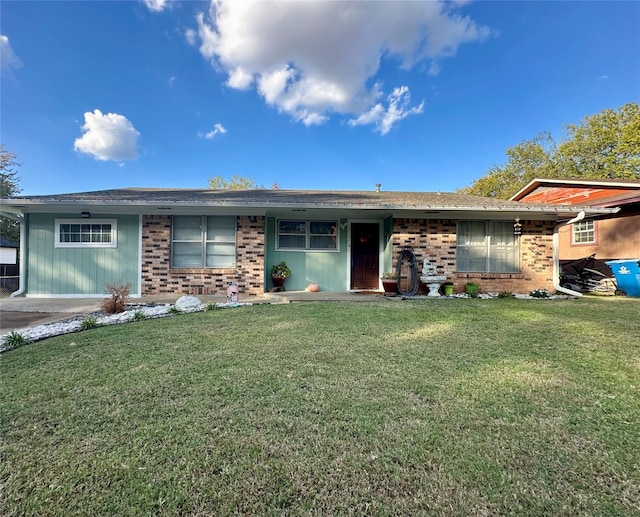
point(517, 227)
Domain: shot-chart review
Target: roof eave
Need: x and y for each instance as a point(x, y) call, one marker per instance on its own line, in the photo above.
point(537, 182)
point(27, 205)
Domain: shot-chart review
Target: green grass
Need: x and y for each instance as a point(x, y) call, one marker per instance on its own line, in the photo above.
point(439, 407)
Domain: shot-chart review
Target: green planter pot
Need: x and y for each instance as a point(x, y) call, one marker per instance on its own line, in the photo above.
point(447, 289)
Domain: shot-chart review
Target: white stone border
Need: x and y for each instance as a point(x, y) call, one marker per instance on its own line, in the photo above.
point(74, 324)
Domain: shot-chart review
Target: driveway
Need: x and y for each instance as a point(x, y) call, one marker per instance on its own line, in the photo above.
point(17, 313)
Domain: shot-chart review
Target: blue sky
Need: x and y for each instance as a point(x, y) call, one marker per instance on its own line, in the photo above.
point(309, 95)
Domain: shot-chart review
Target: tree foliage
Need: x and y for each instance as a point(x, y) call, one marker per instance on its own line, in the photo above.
point(9, 229)
point(233, 183)
point(526, 161)
point(8, 174)
point(604, 145)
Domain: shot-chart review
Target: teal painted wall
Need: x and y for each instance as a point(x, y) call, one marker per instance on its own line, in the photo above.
point(387, 243)
point(328, 269)
point(54, 271)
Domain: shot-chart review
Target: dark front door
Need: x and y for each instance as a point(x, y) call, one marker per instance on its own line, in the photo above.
point(365, 255)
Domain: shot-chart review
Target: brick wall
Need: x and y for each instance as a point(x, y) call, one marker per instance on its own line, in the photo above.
point(435, 239)
point(159, 278)
point(430, 238)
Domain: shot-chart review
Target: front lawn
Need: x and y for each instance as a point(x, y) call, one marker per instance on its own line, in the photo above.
point(439, 407)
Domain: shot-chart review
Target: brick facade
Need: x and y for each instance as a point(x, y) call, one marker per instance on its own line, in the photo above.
point(435, 239)
point(158, 277)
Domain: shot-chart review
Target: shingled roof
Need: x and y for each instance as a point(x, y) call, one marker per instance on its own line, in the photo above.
point(275, 199)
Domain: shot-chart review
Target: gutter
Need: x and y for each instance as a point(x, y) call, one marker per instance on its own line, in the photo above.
point(556, 256)
point(105, 204)
point(23, 264)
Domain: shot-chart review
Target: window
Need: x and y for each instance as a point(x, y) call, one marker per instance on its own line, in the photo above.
point(80, 233)
point(488, 246)
point(203, 242)
point(308, 235)
point(583, 232)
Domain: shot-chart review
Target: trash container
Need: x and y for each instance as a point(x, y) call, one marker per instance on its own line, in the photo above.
point(627, 274)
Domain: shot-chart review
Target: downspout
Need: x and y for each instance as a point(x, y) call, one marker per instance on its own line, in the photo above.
point(23, 264)
point(556, 256)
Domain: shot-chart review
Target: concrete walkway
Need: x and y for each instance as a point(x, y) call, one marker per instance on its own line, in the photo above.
point(21, 312)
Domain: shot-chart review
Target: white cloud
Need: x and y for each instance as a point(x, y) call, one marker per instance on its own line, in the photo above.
point(240, 79)
point(311, 59)
point(108, 137)
point(8, 58)
point(191, 36)
point(434, 68)
point(385, 117)
point(218, 129)
point(156, 5)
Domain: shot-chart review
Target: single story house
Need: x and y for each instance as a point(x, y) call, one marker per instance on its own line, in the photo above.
point(197, 241)
point(611, 236)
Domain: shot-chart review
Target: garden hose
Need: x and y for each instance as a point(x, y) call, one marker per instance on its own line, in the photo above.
point(406, 254)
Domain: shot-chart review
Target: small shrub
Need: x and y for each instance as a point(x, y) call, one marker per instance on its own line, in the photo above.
point(119, 295)
point(139, 315)
point(506, 294)
point(211, 306)
point(472, 289)
point(89, 322)
point(539, 293)
point(173, 310)
point(15, 340)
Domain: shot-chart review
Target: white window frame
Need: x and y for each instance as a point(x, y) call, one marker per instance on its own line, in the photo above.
point(489, 250)
point(582, 229)
point(204, 241)
point(308, 235)
point(82, 222)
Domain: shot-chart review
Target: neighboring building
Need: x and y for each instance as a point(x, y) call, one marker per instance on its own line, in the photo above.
point(607, 236)
point(8, 265)
point(198, 240)
point(8, 257)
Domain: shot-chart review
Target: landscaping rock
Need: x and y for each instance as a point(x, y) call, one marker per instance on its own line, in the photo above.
point(185, 303)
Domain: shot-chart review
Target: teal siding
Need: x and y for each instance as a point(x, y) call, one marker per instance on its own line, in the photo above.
point(387, 243)
point(80, 271)
point(328, 269)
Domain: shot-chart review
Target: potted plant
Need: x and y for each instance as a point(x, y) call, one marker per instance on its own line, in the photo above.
point(279, 273)
point(390, 283)
point(447, 288)
point(471, 289)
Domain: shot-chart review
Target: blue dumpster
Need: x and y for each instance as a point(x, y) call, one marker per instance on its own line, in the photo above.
point(627, 274)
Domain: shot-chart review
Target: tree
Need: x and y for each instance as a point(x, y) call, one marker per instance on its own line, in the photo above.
point(604, 145)
point(9, 229)
point(526, 161)
point(233, 183)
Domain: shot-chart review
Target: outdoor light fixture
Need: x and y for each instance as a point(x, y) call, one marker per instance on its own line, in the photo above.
point(85, 215)
point(517, 227)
